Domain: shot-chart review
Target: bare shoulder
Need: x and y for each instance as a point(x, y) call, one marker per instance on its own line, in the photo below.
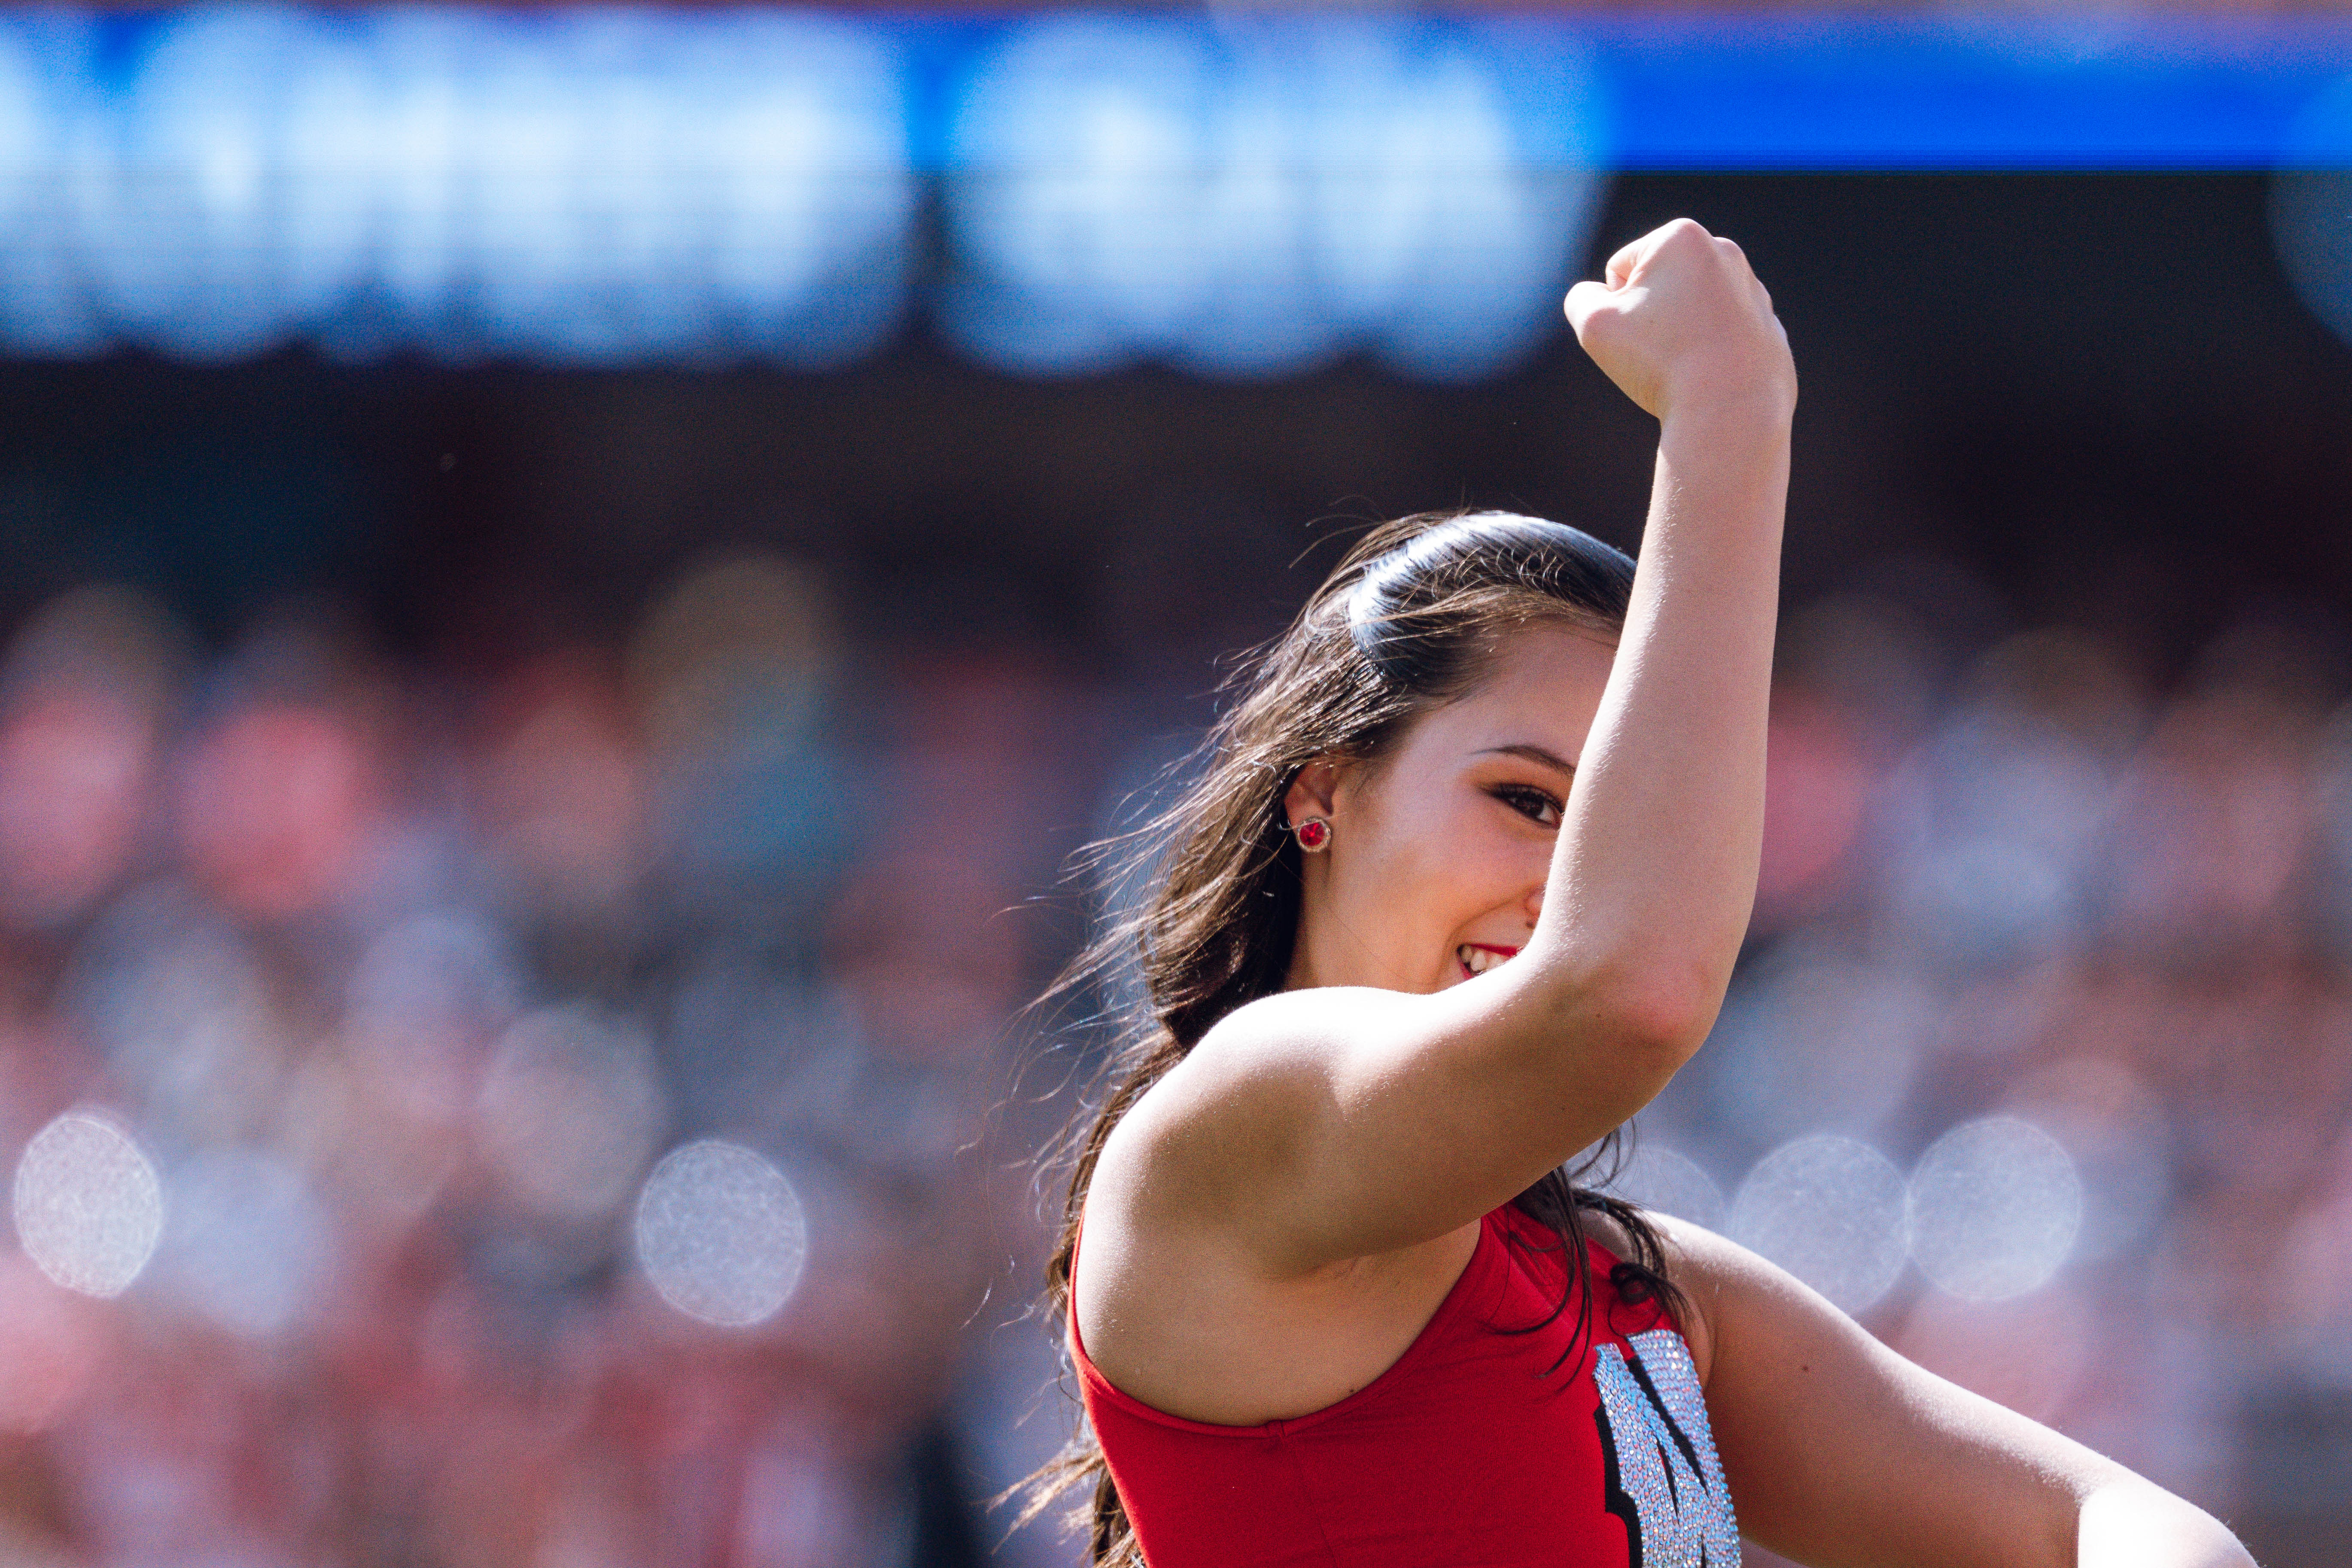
point(1294, 1028)
point(1738, 1299)
point(1225, 1169)
point(1191, 1293)
point(1223, 1121)
point(1724, 1284)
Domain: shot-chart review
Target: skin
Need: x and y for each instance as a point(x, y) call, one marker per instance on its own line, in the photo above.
point(1277, 1219)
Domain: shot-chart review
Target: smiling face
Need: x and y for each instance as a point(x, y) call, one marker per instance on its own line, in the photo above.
point(1439, 848)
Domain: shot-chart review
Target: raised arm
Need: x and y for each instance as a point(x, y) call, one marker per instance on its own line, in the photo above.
point(1654, 877)
point(1336, 1123)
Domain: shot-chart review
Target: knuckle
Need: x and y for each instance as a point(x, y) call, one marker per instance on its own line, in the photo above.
point(1598, 325)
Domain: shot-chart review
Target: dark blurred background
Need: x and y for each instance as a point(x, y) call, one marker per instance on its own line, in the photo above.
point(517, 886)
point(2095, 394)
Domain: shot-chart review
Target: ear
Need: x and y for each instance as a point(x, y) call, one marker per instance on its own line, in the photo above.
point(1312, 791)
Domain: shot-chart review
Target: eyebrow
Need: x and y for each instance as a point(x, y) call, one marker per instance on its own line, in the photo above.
point(1533, 753)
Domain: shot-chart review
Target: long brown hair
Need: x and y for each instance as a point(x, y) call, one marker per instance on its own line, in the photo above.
point(1410, 619)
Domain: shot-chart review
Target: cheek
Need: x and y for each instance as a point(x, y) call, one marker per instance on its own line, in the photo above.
point(1455, 859)
point(1491, 869)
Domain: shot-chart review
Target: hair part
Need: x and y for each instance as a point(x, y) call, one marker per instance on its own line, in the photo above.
point(1413, 617)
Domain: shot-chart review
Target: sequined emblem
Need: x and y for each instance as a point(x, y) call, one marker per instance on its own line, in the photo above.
point(1663, 1478)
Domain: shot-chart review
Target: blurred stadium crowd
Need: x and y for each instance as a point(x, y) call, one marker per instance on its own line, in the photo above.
point(372, 1006)
point(402, 997)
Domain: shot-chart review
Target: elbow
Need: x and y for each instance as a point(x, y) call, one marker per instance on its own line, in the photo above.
point(1618, 1018)
point(2132, 1520)
point(1668, 1024)
point(1658, 1018)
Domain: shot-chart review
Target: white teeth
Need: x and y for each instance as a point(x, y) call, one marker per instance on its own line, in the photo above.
point(1478, 959)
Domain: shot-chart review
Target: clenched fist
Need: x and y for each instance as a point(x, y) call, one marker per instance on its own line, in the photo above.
point(1681, 320)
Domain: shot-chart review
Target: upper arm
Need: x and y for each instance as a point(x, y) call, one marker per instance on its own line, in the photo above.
point(1841, 1452)
point(1320, 1125)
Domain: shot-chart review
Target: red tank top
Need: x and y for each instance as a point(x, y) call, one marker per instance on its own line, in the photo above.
point(1472, 1450)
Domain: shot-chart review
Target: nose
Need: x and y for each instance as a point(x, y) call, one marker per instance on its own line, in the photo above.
point(1534, 904)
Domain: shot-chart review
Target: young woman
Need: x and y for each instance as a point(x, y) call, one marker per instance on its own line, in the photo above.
point(1459, 891)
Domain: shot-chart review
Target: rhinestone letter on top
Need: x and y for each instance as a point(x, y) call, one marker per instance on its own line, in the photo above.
point(1664, 1458)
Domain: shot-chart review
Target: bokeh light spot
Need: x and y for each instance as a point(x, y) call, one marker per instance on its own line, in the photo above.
point(88, 1207)
point(1995, 1207)
point(721, 1234)
point(1831, 1211)
point(1658, 1178)
point(249, 1246)
point(571, 1110)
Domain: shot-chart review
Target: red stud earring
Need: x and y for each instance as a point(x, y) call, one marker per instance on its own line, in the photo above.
point(1314, 834)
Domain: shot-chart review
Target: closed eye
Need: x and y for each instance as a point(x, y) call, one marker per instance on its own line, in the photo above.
point(1538, 807)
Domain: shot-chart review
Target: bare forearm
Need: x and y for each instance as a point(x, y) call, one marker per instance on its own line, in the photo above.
point(1656, 864)
point(2131, 1523)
